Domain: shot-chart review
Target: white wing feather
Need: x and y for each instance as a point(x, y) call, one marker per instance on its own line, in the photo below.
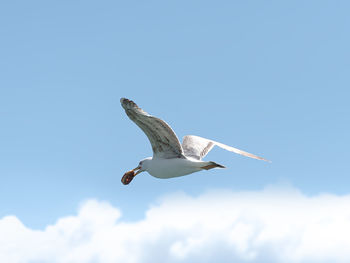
point(198, 147)
point(164, 141)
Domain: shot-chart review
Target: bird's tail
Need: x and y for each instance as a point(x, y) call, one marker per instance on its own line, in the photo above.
point(211, 165)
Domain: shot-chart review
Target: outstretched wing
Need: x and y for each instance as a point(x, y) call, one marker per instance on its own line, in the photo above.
point(197, 147)
point(164, 141)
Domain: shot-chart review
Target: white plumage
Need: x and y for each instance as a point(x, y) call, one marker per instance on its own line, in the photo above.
point(170, 158)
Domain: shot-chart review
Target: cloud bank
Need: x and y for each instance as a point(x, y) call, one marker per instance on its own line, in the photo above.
point(272, 225)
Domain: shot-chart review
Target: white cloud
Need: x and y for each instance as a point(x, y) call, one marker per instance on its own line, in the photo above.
point(273, 225)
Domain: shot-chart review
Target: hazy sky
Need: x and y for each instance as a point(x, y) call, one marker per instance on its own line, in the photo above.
point(268, 77)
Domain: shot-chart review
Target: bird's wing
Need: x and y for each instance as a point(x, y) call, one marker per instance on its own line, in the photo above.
point(198, 147)
point(164, 141)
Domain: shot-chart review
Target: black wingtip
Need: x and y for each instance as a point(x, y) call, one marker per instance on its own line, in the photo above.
point(128, 104)
point(125, 101)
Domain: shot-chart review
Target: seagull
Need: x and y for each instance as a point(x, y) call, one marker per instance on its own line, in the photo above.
point(170, 157)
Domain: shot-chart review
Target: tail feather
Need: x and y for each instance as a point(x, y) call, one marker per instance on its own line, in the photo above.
point(212, 165)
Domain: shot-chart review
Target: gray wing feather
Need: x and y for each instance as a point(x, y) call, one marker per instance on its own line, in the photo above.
point(164, 141)
point(198, 147)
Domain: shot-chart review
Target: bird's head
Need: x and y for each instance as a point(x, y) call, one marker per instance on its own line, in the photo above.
point(143, 166)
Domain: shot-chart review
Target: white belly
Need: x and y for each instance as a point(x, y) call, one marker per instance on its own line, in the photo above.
point(167, 168)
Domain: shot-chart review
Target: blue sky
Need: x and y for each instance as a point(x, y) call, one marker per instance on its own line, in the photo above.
point(268, 77)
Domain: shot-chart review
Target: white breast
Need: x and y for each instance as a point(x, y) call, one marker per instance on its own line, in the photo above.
point(167, 168)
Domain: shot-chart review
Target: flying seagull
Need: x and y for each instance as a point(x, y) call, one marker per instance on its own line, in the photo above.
point(170, 158)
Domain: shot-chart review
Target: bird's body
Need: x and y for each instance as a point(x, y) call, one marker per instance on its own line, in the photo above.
point(170, 157)
point(174, 167)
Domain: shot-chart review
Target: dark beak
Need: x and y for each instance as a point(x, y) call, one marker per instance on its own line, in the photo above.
point(137, 168)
